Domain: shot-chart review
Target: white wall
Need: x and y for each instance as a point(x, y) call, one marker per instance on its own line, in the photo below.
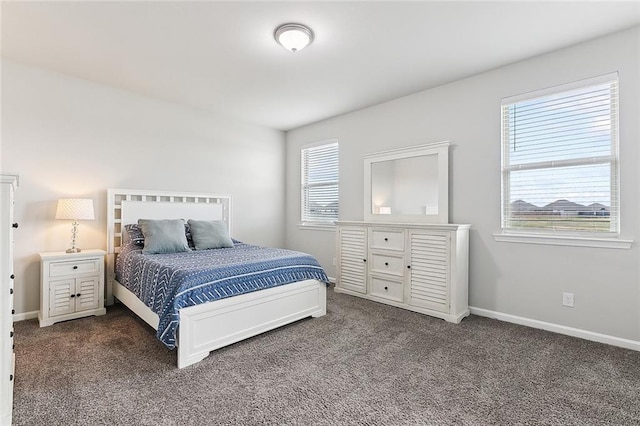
point(517, 279)
point(69, 137)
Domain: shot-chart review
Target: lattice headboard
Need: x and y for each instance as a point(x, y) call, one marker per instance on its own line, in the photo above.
point(128, 205)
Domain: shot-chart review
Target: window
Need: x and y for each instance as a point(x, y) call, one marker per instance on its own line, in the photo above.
point(560, 160)
point(319, 164)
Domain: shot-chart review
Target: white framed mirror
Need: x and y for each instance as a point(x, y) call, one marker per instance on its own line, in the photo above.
point(408, 184)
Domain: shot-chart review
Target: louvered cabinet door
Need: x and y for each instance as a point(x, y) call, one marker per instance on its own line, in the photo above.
point(352, 258)
point(87, 293)
point(60, 297)
point(429, 270)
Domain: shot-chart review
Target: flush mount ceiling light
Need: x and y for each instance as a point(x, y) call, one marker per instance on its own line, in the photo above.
point(293, 37)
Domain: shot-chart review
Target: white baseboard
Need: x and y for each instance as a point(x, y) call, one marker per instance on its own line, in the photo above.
point(561, 329)
point(25, 316)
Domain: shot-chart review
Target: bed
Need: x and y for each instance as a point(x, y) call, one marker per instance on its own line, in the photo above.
point(204, 327)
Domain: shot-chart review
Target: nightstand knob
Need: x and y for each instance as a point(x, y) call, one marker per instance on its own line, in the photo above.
point(15, 225)
point(73, 295)
point(10, 291)
point(75, 267)
point(12, 276)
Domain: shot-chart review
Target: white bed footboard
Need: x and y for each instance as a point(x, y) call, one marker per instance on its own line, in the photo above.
point(212, 325)
point(203, 329)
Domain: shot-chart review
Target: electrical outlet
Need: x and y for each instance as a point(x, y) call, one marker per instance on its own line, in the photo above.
point(567, 299)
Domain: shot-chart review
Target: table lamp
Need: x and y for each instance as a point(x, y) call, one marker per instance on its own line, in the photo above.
point(75, 209)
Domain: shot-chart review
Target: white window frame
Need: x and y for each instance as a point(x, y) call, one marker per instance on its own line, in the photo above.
point(314, 224)
point(555, 237)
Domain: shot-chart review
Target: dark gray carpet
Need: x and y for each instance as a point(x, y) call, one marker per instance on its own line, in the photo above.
point(363, 363)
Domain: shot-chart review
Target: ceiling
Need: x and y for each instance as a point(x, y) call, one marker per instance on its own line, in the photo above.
point(221, 56)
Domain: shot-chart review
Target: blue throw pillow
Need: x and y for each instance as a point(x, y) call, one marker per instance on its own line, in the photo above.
point(210, 234)
point(163, 236)
point(133, 233)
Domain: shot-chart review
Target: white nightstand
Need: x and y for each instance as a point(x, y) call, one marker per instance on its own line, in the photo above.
point(71, 285)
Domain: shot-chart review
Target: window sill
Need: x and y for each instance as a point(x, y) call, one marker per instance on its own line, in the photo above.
point(317, 226)
point(563, 240)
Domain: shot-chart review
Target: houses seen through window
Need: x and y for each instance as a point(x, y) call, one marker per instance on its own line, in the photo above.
point(560, 159)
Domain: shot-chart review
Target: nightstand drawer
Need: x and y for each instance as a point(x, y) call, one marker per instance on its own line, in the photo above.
point(59, 269)
point(391, 290)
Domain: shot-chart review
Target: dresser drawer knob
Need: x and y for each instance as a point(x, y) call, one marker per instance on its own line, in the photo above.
point(386, 288)
point(386, 263)
point(10, 291)
point(75, 267)
point(78, 295)
point(13, 312)
point(408, 266)
point(12, 276)
point(386, 239)
point(15, 225)
point(364, 260)
point(10, 377)
point(73, 295)
point(11, 334)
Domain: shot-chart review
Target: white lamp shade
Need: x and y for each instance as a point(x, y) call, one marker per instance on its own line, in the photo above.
point(75, 209)
point(293, 37)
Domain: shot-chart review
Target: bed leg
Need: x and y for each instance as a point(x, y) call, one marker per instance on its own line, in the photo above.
point(322, 302)
point(185, 360)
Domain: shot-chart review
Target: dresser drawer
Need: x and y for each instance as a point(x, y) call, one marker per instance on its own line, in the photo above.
point(58, 269)
point(387, 263)
point(387, 289)
point(389, 239)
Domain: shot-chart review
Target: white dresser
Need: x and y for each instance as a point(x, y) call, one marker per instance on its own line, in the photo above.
point(420, 267)
point(8, 185)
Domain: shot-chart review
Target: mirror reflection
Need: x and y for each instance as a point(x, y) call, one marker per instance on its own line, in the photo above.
point(405, 186)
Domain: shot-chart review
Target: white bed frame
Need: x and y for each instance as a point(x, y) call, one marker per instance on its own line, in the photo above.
point(209, 326)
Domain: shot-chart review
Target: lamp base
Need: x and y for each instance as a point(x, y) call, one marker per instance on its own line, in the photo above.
point(73, 250)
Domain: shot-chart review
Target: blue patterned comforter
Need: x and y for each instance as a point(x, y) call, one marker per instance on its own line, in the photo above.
point(168, 282)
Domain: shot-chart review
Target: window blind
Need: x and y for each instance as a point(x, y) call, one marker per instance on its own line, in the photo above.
point(319, 198)
point(560, 158)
